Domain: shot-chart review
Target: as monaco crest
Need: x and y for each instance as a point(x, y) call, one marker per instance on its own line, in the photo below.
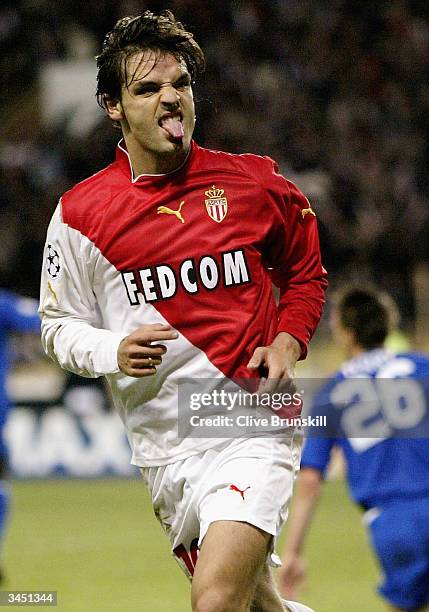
point(216, 205)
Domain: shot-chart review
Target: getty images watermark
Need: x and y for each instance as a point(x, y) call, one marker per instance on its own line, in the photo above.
point(362, 409)
point(223, 408)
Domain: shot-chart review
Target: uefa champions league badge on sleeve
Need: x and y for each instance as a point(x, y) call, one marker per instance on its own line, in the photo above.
point(53, 261)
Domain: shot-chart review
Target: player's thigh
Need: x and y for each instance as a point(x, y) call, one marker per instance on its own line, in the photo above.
point(266, 597)
point(242, 504)
point(231, 559)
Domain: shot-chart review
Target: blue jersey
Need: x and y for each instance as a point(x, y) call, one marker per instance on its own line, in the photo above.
point(17, 314)
point(380, 424)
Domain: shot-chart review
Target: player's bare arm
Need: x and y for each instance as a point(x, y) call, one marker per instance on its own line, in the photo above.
point(278, 359)
point(139, 353)
point(294, 567)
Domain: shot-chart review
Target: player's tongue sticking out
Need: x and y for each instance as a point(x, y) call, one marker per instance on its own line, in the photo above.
point(173, 126)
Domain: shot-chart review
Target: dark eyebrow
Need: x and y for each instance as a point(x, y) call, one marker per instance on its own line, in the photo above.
point(153, 85)
point(185, 78)
point(146, 84)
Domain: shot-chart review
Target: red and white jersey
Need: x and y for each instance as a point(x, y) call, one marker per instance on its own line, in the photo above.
point(198, 249)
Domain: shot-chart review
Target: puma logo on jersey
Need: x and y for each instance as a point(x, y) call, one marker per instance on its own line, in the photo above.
point(234, 488)
point(307, 211)
point(169, 211)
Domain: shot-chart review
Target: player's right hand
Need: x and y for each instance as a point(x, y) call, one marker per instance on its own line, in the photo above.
point(139, 353)
point(292, 574)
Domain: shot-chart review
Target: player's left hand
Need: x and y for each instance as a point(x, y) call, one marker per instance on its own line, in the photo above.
point(291, 575)
point(278, 361)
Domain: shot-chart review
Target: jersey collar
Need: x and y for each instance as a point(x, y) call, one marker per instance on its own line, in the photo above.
point(124, 162)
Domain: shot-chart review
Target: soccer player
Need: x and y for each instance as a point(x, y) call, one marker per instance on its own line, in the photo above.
point(387, 466)
point(17, 315)
point(163, 265)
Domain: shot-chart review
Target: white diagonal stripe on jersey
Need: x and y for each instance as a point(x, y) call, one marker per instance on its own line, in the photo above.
point(148, 406)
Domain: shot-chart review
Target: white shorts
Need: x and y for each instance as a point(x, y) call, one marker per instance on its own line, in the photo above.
point(248, 480)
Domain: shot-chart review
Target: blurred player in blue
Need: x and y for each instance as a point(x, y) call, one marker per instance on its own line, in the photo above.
point(17, 315)
point(381, 427)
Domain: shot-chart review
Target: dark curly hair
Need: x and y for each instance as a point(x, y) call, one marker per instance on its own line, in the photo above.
point(130, 35)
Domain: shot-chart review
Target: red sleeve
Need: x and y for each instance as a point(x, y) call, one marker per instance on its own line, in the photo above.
point(293, 253)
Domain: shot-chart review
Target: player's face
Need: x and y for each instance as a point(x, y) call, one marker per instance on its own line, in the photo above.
point(156, 112)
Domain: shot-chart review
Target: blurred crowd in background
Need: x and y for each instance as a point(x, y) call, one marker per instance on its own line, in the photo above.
point(336, 91)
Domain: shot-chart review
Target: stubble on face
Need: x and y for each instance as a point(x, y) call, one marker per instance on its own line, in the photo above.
point(158, 111)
